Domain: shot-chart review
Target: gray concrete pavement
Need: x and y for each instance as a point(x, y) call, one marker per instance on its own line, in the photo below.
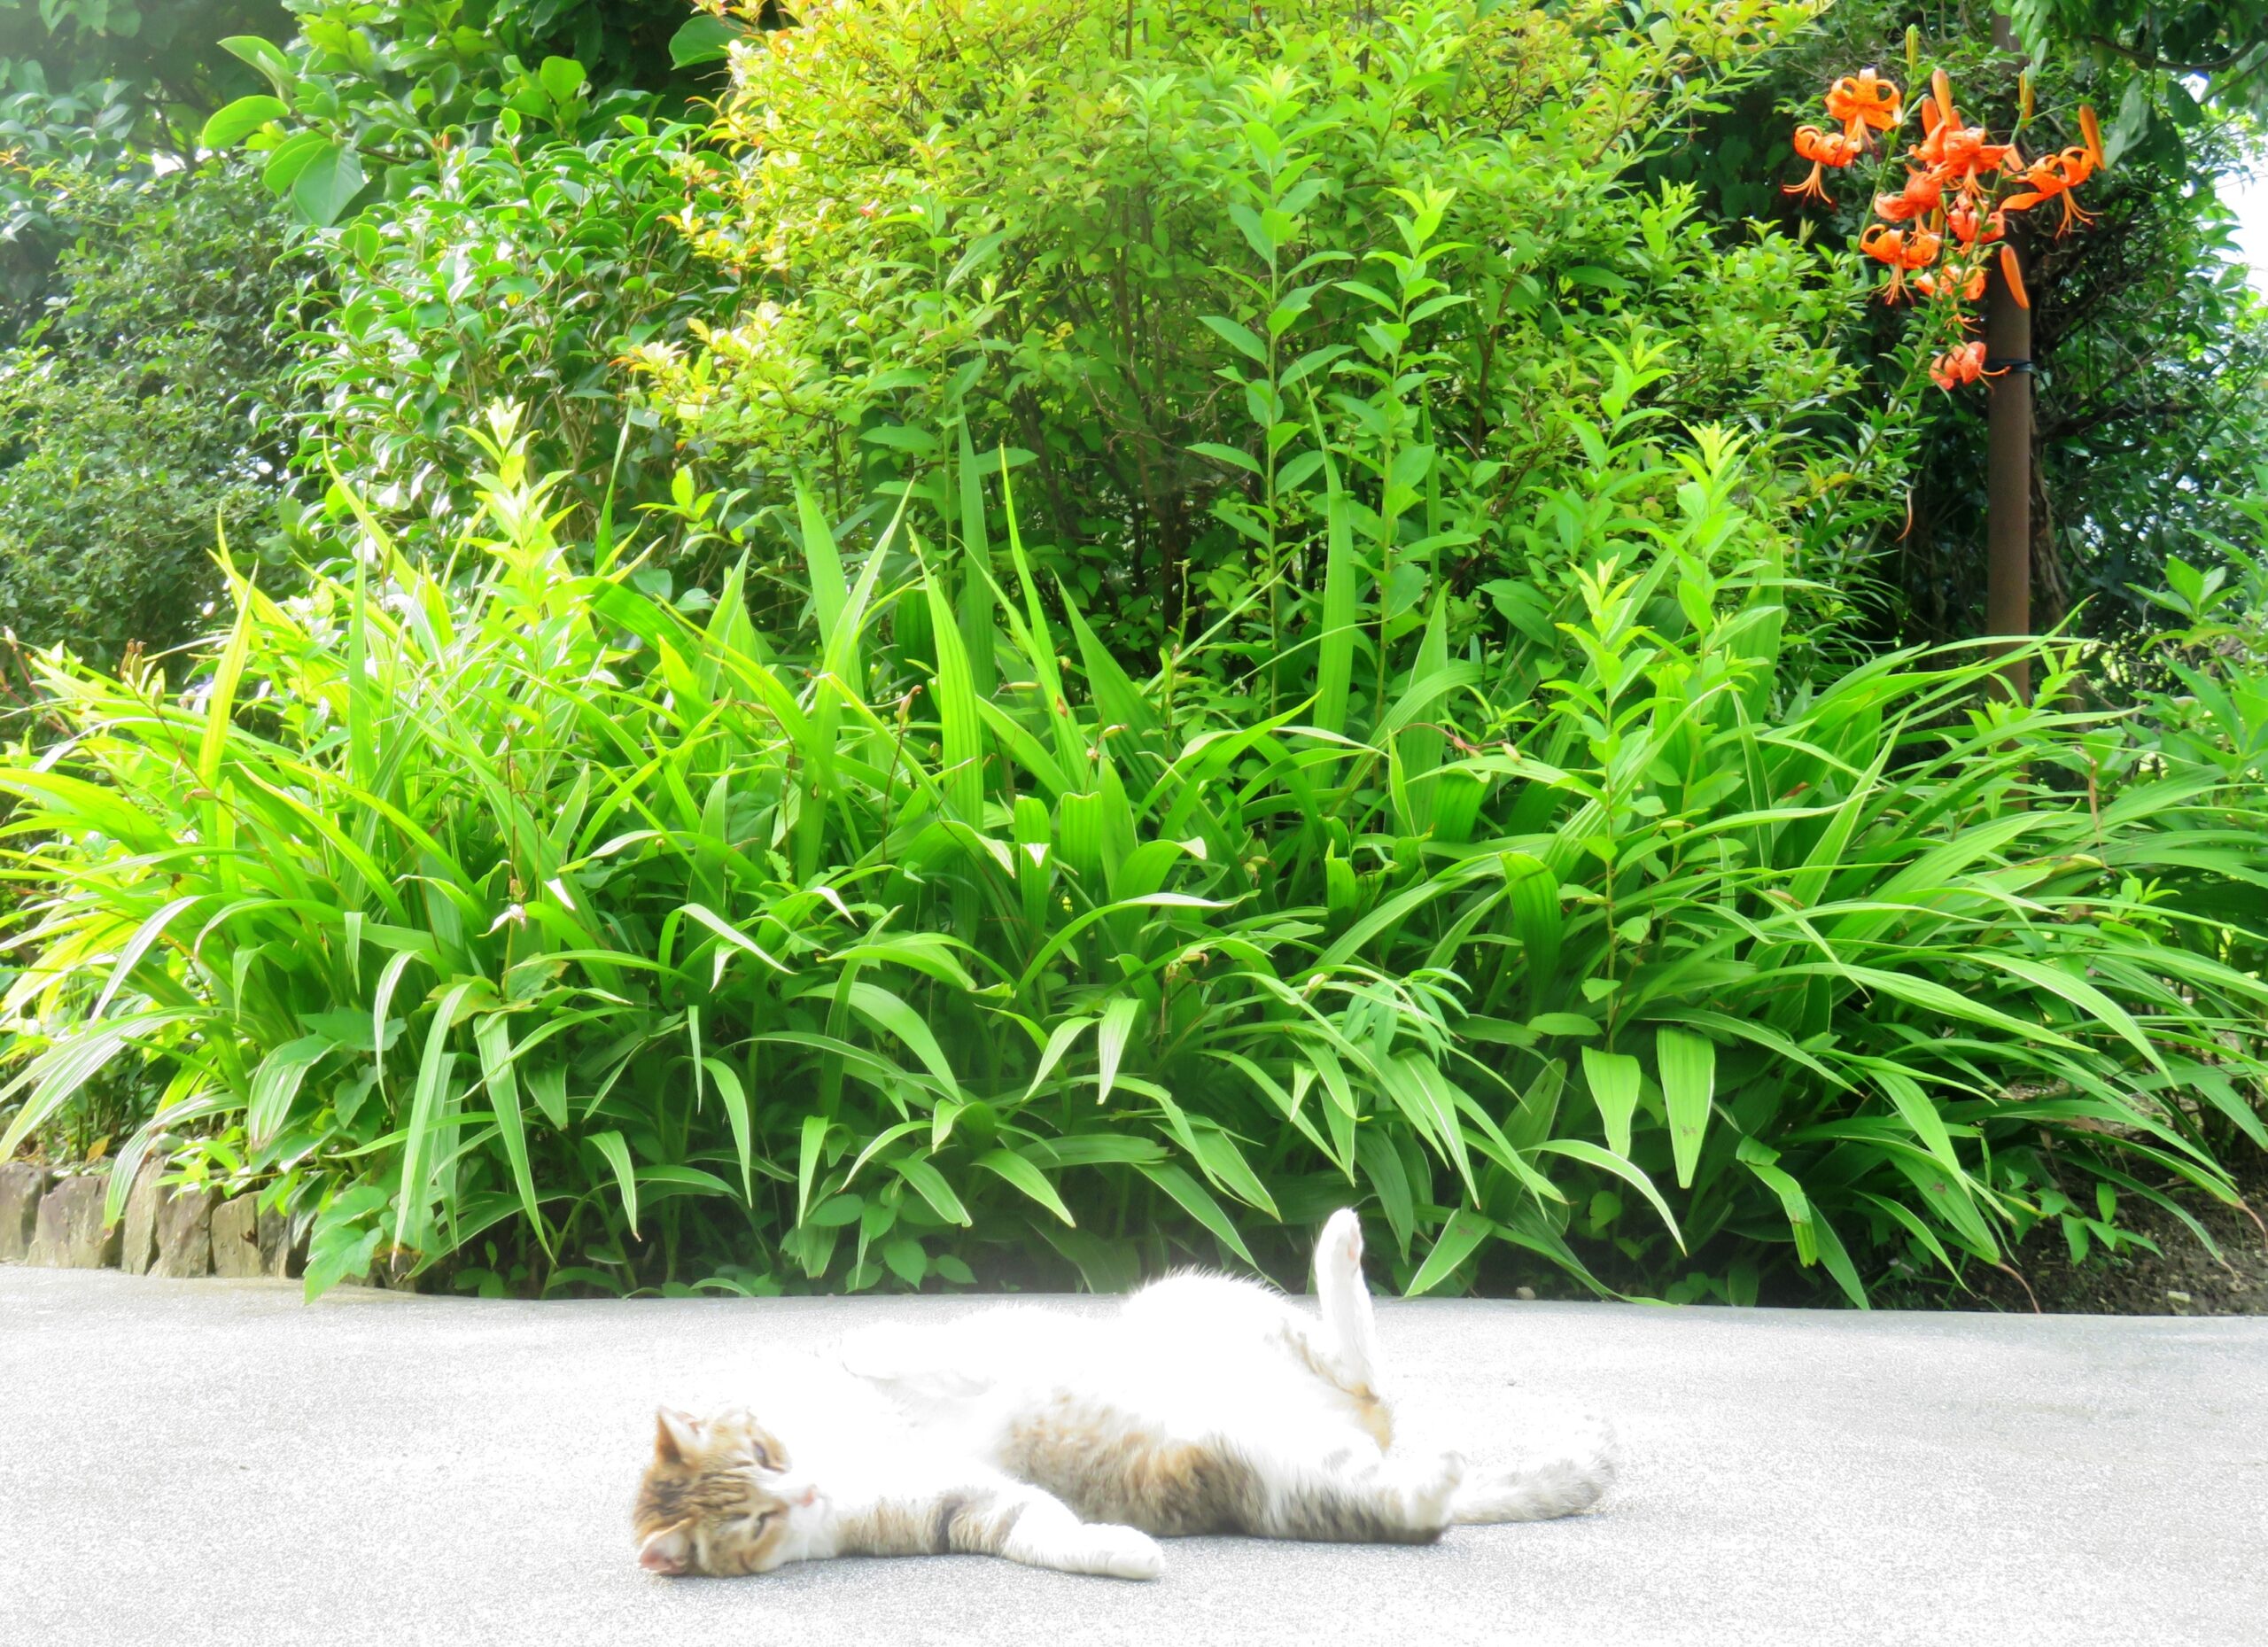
point(185, 1462)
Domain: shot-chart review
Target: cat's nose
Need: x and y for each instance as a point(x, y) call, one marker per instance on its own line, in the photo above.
point(810, 1497)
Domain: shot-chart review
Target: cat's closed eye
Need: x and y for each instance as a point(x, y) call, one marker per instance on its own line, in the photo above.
point(762, 1456)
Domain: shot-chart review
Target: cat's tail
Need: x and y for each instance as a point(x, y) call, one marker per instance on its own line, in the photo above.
point(1570, 1475)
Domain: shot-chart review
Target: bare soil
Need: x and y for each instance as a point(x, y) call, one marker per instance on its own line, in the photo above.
point(2181, 1279)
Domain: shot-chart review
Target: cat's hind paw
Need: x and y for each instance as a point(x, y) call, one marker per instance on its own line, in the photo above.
point(1338, 1250)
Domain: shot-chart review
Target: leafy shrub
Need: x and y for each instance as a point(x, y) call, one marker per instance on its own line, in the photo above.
point(97, 87)
point(2198, 701)
point(145, 407)
point(492, 218)
point(597, 941)
point(518, 266)
point(1161, 253)
point(361, 98)
point(45, 135)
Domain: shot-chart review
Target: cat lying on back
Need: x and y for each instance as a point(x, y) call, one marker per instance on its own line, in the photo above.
point(1206, 1405)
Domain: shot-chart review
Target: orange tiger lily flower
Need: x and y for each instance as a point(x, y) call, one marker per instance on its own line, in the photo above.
point(1865, 103)
point(1970, 225)
point(1823, 149)
point(1924, 191)
point(1962, 364)
point(1903, 250)
point(1961, 155)
point(1954, 284)
point(2053, 178)
point(1950, 204)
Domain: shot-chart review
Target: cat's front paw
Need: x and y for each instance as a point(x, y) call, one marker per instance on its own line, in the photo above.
point(1122, 1552)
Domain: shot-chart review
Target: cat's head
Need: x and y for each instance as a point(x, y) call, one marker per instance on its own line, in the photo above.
point(720, 1497)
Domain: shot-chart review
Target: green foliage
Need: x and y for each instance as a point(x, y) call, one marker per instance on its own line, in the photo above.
point(2214, 49)
point(160, 58)
point(139, 412)
point(1415, 747)
point(494, 218)
point(513, 266)
point(1168, 251)
point(359, 103)
point(98, 87)
point(537, 916)
point(2196, 682)
point(44, 138)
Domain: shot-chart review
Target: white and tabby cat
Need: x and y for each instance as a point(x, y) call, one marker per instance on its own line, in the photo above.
point(1205, 1405)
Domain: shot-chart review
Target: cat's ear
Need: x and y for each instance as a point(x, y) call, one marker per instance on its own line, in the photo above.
point(669, 1552)
point(677, 1436)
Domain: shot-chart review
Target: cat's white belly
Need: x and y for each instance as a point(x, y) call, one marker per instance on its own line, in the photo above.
point(1191, 1360)
point(1121, 1388)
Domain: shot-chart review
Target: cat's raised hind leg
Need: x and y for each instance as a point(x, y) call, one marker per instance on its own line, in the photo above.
point(1344, 1347)
point(1349, 1326)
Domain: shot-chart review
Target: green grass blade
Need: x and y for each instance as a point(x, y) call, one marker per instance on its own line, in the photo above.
point(1335, 646)
point(424, 1104)
point(1198, 1202)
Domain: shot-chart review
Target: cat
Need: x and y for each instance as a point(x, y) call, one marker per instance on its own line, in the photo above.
point(1207, 1404)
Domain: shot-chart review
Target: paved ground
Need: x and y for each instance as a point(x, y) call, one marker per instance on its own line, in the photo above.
point(203, 1461)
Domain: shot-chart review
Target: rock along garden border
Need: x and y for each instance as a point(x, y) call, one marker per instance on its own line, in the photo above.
point(54, 1220)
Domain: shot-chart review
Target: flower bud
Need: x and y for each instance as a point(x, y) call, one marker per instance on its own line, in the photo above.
point(2012, 272)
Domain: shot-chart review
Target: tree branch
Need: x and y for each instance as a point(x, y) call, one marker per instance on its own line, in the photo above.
point(2151, 59)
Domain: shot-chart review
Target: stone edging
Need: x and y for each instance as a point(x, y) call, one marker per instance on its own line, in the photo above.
point(56, 1221)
